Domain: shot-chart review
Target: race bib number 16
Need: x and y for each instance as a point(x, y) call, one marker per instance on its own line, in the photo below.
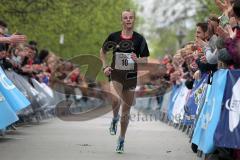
point(123, 61)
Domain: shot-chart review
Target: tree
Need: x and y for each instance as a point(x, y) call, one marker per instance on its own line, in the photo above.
point(207, 7)
point(84, 23)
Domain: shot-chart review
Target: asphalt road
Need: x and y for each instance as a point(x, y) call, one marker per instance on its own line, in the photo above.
point(59, 140)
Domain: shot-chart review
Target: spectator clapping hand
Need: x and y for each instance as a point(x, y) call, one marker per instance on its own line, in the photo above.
point(222, 32)
point(201, 43)
point(193, 66)
point(225, 6)
point(232, 33)
point(203, 59)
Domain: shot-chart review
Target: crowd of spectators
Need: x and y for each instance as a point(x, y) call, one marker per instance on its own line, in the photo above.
point(216, 46)
point(25, 59)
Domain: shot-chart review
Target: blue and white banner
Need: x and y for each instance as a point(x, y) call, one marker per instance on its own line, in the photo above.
point(178, 106)
point(197, 130)
point(228, 130)
point(166, 99)
point(195, 99)
point(175, 91)
point(12, 95)
point(7, 115)
point(210, 113)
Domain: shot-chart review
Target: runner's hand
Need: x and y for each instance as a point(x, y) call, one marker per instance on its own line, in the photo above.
point(107, 71)
point(134, 57)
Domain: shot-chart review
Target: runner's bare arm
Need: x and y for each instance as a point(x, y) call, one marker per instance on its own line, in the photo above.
point(106, 69)
point(140, 59)
point(103, 57)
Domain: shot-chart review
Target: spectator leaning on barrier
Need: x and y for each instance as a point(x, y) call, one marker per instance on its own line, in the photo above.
point(3, 26)
point(210, 49)
point(41, 58)
point(203, 65)
point(187, 54)
point(167, 61)
point(201, 34)
point(178, 62)
point(3, 46)
point(33, 44)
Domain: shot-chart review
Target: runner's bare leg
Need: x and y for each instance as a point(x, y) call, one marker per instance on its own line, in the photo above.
point(116, 90)
point(128, 100)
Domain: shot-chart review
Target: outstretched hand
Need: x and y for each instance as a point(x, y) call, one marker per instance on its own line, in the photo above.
point(17, 38)
point(225, 5)
point(107, 71)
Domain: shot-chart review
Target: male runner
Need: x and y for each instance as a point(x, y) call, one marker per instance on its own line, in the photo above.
point(129, 49)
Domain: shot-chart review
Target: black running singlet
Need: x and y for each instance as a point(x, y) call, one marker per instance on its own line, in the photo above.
point(124, 68)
